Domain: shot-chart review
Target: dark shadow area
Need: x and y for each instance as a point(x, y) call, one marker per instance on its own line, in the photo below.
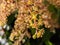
point(55, 39)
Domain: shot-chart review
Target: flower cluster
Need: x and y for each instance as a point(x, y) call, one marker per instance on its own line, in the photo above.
point(31, 21)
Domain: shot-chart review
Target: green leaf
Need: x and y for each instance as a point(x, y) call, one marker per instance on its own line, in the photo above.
point(37, 16)
point(45, 2)
point(32, 30)
point(10, 21)
point(40, 27)
point(47, 42)
point(11, 17)
point(10, 42)
point(58, 13)
point(32, 20)
point(52, 8)
point(27, 42)
point(47, 35)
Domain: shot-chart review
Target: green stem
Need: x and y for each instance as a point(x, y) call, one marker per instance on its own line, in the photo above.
point(47, 42)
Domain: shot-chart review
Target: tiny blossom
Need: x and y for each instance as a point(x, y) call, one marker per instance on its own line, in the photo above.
point(23, 41)
point(5, 26)
point(1, 33)
point(0, 27)
point(0, 38)
point(3, 41)
point(6, 43)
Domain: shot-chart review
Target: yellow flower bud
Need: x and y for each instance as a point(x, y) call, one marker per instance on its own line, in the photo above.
point(34, 36)
point(29, 2)
point(1, 23)
point(40, 22)
point(11, 37)
point(30, 22)
point(40, 33)
point(35, 8)
point(33, 15)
